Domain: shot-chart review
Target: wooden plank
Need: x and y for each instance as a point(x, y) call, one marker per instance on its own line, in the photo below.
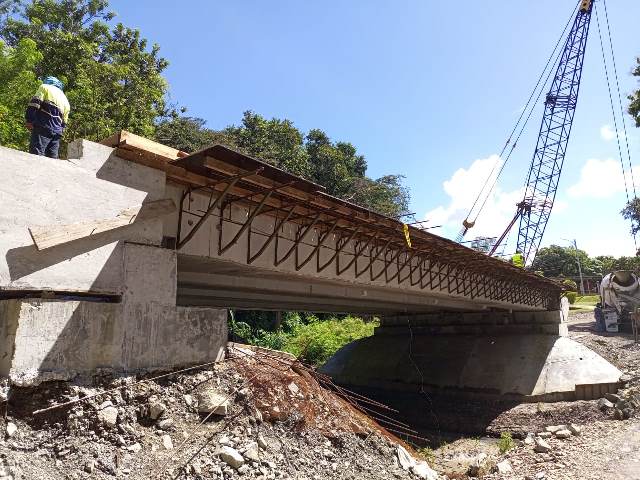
point(136, 141)
point(111, 141)
point(52, 235)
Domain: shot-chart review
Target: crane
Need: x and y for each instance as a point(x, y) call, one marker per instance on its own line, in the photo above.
point(559, 108)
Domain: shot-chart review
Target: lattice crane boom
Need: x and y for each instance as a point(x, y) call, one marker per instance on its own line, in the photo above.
point(548, 158)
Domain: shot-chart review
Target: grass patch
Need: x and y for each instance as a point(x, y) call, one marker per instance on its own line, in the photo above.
point(505, 443)
point(308, 337)
point(590, 300)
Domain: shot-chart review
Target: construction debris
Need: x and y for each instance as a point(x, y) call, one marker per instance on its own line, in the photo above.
point(157, 428)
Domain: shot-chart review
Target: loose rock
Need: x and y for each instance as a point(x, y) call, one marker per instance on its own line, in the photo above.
point(167, 443)
point(231, 457)
point(210, 401)
point(108, 417)
point(12, 428)
point(504, 467)
point(541, 446)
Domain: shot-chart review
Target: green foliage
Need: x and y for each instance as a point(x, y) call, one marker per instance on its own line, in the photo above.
point(590, 300)
point(316, 342)
point(571, 296)
point(189, 134)
point(275, 141)
point(631, 211)
point(113, 80)
point(335, 165)
point(556, 261)
point(18, 83)
point(306, 336)
point(506, 442)
point(428, 454)
point(570, 284)
point(634, 105)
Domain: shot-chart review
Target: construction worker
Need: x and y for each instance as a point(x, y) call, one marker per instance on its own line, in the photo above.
point(517, 259)
point(47, 115)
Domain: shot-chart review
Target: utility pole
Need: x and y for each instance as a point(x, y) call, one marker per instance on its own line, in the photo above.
point(575, 245)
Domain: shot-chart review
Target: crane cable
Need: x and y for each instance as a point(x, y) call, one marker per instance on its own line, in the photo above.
point(615, 114)
point(624, 122)
point(515, 128)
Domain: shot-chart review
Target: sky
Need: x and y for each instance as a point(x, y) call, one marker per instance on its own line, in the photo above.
point(423, 88)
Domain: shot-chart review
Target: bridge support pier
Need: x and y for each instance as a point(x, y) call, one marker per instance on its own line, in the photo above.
point(525, 356)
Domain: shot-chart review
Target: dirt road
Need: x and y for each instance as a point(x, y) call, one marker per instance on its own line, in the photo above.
point(606, 449)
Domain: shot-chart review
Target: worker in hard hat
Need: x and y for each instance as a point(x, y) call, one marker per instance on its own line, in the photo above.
point(47, 116)
point(517, 259)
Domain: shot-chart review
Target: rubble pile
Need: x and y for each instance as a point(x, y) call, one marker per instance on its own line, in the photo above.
point(252, 416)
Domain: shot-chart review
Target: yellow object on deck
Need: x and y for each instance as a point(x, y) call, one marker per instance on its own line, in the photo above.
point(405, 229)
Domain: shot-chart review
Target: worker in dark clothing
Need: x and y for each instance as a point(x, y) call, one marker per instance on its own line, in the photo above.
point(47, 115)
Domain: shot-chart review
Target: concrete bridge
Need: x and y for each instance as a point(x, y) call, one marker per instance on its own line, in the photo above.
point(127, 255)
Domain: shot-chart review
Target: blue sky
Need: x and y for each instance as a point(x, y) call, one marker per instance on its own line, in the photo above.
point(424, 88)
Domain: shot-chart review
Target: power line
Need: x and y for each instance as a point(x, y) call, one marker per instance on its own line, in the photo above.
point(515, 128)
point(622, 116)
point(615, 115)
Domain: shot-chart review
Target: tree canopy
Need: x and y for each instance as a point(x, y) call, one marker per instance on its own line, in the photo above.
point(113, 79)
point(634, 105)
point(18, 82)
point(335, 165)
point(557, 261)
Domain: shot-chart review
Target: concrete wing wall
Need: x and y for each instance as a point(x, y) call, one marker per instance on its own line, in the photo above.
point(96, 185)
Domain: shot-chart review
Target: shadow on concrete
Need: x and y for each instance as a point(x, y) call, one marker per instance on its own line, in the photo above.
point(24, 261)
point(440, 416)
point(85, 325)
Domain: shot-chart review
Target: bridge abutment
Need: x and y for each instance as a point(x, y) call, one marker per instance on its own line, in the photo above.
point(525, 356)
point(105, 301)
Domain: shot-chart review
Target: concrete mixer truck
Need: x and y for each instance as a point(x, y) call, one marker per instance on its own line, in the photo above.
point(619, 301)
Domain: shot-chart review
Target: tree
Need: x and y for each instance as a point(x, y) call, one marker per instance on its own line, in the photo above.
point(112, 79)
point(189, 134)
point(335, 165)
point(634, 106)
point(556, 261)
point(275, 141)
point(17, 85)
point(632, 212)
point(386, 195)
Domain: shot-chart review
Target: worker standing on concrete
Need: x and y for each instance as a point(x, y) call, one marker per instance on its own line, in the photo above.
point(47, 115)
point(517, 259)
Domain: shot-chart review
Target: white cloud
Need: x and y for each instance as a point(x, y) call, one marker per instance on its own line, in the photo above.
point(601, 179)
point(608, 133)
point(463, 188)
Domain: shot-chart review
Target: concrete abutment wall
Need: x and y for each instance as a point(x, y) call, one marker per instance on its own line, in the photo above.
point(521, 355)
point(56, 338)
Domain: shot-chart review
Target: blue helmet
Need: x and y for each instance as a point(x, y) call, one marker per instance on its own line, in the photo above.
point(54, 81)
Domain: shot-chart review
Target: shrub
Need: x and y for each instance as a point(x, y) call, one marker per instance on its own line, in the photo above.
point(316, 342)
point(571, 296)
point(570, 284)
point(505, 443)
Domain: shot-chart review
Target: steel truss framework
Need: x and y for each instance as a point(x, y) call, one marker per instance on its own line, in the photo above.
point(548, 158)
point(374, 245)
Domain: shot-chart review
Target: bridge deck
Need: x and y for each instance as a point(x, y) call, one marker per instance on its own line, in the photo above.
point(234, 208)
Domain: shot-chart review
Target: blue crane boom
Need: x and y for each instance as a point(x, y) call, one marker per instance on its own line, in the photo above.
point(559, 109)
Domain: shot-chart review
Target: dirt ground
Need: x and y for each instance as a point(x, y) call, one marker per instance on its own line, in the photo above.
point(255, 415)
point(283, 425)
point(607, 448)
